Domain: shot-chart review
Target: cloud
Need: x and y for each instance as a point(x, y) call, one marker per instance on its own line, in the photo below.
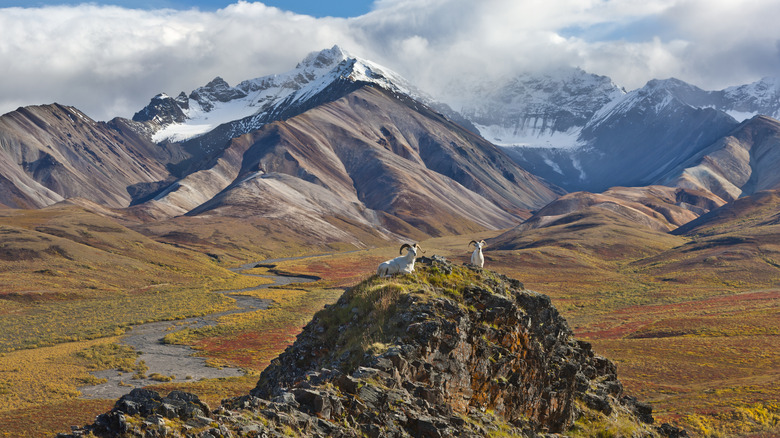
point(110, 61)
point(708, 42)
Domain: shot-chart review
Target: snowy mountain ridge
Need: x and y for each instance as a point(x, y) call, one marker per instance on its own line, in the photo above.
point(253, 102)
point(760, 97)
point(653, 98)
point(541, 110)
point(552, 110)
point(548, 110)
point(740, 102)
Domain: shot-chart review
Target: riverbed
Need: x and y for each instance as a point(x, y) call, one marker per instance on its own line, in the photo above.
point(178, 360)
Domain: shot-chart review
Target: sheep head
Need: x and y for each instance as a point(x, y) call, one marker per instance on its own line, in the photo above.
point(479, 244)
point(414, 249)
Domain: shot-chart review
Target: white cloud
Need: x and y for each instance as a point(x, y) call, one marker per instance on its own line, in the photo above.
point(102, 58)
point(109, 61)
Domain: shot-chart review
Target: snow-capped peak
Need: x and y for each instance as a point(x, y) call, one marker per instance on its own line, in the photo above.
point(740, 102)
point(654, 97)
point(259, 99)
point(533, 109)
point(760, 97)
point(324, 59)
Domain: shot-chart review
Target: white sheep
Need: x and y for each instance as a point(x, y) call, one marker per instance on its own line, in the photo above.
point(477, 259)
point(400, 265)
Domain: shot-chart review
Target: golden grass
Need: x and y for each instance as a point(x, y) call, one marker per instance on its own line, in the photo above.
point(45, 420)
point(45, 375)
point(69, 274)
point(50, 323)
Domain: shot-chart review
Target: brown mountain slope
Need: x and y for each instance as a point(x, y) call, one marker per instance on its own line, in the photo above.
point(742, 163)
point(736, 243)
point(591, 233)
point(751, 212)
point(371, 159)
point(655, 207)
point(51, 152)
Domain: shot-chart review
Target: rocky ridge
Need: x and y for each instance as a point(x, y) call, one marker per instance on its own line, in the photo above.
point(539, 110)
point(445, 351)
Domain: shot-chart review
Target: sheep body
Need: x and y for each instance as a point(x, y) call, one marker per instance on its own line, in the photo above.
point(403, 264)
point(477, 259)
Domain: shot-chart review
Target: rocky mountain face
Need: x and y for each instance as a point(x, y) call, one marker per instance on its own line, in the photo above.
point(446, 351)
point(741, 102)
point(342, 142)
point(632, 141)
point(582, 132)
point(336, 147)
point(546, 110)
point(213, 114)
point(370, 158)
point(52, 152)
point(741, 163)
point(760, 97)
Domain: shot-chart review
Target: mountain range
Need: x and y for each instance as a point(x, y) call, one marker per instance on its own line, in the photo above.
point(616, 203)
point(350, 152)
point(641, 137)
point(336, 144)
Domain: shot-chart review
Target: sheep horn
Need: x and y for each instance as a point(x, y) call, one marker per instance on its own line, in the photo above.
point(483, 242)
point(419, 249)
point(473, 242)
point(405, 245)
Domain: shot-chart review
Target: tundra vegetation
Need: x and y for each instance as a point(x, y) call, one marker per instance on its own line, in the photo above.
point(691, 321)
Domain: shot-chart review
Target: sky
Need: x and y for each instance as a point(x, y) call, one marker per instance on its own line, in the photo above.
point(315, 8)
point(109, 58)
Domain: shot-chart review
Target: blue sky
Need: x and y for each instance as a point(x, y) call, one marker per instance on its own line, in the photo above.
point(108, 58)
point(316, 8)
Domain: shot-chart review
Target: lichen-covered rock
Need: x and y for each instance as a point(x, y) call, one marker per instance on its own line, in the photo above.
point(445, 351)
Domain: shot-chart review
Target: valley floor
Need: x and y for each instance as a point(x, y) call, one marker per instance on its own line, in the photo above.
point(705, 355)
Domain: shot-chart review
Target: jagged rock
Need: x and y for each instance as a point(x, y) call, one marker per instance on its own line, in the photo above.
point(670, 431)
point(445, 351)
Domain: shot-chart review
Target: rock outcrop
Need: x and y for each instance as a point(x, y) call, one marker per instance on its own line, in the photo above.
point(445, 351)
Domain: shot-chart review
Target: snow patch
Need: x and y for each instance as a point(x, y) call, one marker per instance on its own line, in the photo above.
point(510, 136)
point(180, 132)
point(269, 94)
point(553, 165)
point(576, 164)
point(741, 116)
